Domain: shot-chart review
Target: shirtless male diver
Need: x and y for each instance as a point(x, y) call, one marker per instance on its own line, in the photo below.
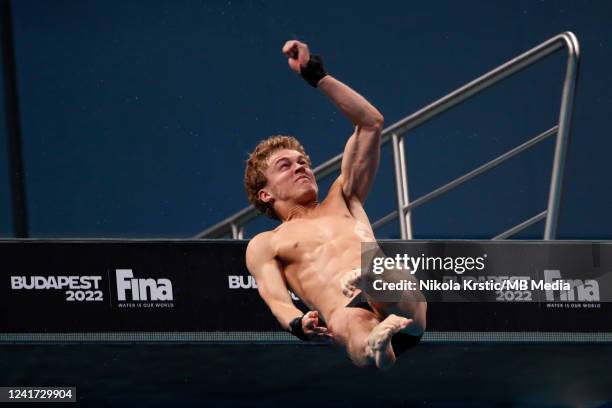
point(316, 251)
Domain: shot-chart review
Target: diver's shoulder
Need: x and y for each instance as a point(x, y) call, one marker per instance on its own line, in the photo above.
point(259, 248)
point(261, 239)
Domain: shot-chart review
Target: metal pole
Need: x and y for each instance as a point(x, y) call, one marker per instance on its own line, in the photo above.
point(399, 186)
point(563, 135)
point(15, 159)
point(404, 170)
point(235, 231)
point(519, 227)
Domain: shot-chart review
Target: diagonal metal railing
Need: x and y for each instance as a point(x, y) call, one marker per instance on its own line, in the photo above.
point(234, 225)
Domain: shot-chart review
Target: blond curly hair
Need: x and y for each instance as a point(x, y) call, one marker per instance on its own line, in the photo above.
point(257, 163)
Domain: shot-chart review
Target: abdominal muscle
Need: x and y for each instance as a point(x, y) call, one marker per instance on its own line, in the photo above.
point(315, 274)
point(319, 289)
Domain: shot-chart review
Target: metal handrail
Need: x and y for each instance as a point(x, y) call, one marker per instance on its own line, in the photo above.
point(234, 224)
point(494, 76)
point(521, 226)
point(468, 176)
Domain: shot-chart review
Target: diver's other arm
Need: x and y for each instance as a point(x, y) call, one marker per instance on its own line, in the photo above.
point(272, 289)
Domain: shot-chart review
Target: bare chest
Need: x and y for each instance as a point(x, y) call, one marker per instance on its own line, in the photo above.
point(307, 240)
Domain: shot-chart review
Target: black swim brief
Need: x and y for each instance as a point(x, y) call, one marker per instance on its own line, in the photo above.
point(361, 302)
point(400, 342)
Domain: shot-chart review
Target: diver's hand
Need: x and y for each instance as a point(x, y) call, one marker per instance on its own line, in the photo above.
point(297, 54)
point(310, 325)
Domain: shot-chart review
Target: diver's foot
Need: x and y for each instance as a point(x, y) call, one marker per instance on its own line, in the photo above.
point(379, 340)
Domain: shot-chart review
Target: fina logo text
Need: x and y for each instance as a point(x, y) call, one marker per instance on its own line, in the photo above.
point(142, 289)
point(582, 291)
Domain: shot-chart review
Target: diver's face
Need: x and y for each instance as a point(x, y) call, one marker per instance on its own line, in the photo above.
point(290, 178)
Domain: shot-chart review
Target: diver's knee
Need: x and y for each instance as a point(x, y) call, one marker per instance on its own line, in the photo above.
point(419, 320)
point(357, 349)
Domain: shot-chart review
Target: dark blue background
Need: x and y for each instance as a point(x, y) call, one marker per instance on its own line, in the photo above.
point(137, 116)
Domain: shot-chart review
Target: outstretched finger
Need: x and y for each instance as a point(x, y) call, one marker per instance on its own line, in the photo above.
point(324, 336)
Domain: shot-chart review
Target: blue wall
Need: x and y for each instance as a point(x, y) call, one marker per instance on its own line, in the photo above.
point(137, 116)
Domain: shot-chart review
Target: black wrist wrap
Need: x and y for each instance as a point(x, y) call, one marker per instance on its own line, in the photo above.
point(313, 72)
point(295, 328)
